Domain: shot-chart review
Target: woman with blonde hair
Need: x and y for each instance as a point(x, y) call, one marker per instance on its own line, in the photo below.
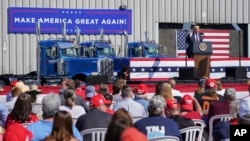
point(62, 132)
point(166, 91)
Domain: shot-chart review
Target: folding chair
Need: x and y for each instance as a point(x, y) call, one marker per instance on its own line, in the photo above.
point(37, 109)
point(222, 117)
point(165, 138)
point(192, 133)
point(96, 134)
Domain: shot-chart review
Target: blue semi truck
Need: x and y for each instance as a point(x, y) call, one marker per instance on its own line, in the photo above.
point(102, 49)
point(59, 58)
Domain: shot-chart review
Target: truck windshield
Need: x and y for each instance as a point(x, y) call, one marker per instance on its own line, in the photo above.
point(152, 50)
point(106, 51)
point(69, 52)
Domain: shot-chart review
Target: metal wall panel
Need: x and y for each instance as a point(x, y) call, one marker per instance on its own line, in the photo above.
point(245, 8)
point(19, 56)
point(186, 10)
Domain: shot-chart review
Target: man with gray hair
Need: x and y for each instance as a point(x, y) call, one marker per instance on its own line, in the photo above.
point(42, 128)
point(244, 111)
point(156, 125)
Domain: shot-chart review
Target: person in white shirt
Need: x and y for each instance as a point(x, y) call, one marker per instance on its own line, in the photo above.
point(134, 108)
point(70, 106)
point(174, 91)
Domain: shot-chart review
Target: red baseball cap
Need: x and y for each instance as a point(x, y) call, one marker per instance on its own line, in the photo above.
point(141, 89)
point(97, 100)
point(172, 104)
point(210, 83)
point(187, 102)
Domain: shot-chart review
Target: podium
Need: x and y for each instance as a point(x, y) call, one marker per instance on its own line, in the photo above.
point(202, 52)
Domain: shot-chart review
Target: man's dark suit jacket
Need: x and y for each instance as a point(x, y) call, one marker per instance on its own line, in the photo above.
point(190, 40)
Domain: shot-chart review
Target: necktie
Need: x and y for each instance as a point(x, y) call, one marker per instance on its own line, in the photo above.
point(196, 37)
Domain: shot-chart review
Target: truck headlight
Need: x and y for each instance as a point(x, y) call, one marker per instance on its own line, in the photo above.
point(94, 73)
point(115, 73)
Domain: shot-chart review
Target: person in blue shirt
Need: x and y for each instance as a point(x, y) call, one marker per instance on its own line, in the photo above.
point(43, 128)
point(3, 114)
point(156, 125)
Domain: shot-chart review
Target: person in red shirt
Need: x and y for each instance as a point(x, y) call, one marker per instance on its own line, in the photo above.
point(109, 99)
point(190, 108)
point(17, 132)
point(22, 112)
point(79, 91)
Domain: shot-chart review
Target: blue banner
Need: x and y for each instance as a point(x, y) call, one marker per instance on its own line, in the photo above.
point(89, 21)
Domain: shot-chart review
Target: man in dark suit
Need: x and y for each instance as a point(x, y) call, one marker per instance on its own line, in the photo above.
point(194, 36)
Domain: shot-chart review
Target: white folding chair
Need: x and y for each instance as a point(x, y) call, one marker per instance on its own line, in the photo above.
point(192, 133)
point(96, 134)
point(165, 138)
point(37, 109)
point(222, 117)
point(200, 122)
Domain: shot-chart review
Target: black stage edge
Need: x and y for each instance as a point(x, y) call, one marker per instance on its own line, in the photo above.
point(236, 72)
point(186, 73)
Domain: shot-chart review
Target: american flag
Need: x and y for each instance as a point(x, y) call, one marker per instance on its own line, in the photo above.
point(220, 42)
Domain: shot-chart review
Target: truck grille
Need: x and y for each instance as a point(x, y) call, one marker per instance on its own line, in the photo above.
point(107, 68)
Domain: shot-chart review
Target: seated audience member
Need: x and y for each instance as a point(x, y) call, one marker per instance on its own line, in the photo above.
point(244, 112)
point(208, 96)
point(43, 128)
point(176, 93)
point(9, 94)
point(116, 94)
point(119, 122)
point(70, 106)
point(62, 132)
point(22, 111)
point(109, 99)
point(201, 87)
point(222, 107)
point(234, 107)
point(79, 91)
point(156, 125)
point(219, 88)
point(190, 108)
point(33, 92)
point(103, 89)
point(158, 87)
point(96, 117)
point(90, 92)
point(134, 108)
point(140, 93)
point(4, 112)
point(166, 91)
point(17, 132)
point(19, 88)
point(70, 84)
point(173, 112)
point(132, 134)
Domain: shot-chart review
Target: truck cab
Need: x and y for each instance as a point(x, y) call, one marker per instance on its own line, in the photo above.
point(104, 49)
point(143, 49)
point(59, 58)
point(97, 48)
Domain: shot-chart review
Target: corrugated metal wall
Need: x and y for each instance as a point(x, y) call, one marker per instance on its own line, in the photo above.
point(18, 51)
